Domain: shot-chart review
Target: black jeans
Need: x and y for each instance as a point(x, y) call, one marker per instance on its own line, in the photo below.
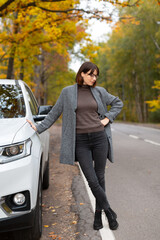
point(93, 148)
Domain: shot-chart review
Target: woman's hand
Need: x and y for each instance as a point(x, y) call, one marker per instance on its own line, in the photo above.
point(105, 121)
point(32, 125)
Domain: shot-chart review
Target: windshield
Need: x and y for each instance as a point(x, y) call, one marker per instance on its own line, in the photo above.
point(11, 102)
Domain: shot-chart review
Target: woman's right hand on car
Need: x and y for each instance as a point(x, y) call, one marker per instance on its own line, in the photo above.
point(32, 125)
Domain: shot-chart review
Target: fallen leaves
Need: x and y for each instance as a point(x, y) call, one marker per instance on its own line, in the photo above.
point(53, 224)
point(46, 226)
point(54, 236)
point(74, 222)
point(51, 207)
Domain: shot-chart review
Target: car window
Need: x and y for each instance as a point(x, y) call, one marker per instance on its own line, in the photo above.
point(11, 102)
point(32, 102)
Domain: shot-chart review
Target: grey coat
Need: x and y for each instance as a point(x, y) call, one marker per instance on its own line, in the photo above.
point(67, 104)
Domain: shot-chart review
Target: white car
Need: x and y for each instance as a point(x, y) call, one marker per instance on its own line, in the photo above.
point(24, 161)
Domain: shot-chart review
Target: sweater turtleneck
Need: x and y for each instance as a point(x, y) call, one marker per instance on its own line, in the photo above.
point(87, 119)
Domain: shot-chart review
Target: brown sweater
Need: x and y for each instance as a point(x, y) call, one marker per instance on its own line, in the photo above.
point(87, 119)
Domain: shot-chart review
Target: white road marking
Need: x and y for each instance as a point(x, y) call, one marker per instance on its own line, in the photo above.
point(133, 136)
point(152, 142)
point(146, 140)
point(105, 232)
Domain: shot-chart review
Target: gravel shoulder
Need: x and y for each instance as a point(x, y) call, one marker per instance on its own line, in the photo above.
point(59, 214)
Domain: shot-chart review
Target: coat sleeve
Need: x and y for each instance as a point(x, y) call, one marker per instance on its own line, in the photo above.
point(52, 116)
point(115, 103)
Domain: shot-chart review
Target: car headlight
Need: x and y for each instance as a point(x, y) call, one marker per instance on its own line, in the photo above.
point(15, 151)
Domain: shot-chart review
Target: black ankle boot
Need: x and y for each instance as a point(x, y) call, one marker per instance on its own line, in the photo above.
point(113, 213)
point(112, 216)
point(97, 220)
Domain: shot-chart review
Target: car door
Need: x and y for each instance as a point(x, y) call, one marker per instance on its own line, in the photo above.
point(45, 135)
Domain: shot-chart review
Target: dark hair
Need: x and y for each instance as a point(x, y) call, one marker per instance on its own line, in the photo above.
point(86, 67)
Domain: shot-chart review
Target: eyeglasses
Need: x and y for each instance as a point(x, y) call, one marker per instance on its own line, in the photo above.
point(93, 75)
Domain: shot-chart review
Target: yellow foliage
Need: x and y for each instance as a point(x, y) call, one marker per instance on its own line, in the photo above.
point(129, 19)
point(117, 27)
point(155, 104)
point(90, 51)
point(3, 67)
point(2, 76)
point(157, 84)
point(2, 2)
point(32, 29)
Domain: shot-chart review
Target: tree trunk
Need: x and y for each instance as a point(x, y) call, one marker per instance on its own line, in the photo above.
point(40, 79)
point(38, 83)
point(136, 86)
point(22, 70)
point(10, 70)
point(137, 97)
point(123, 99)
point(145, 78)
point(10, 73)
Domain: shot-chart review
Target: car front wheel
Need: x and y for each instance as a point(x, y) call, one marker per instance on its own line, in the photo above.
point(45, 184)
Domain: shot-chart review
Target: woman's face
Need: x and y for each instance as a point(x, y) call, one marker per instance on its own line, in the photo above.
point(89, 78)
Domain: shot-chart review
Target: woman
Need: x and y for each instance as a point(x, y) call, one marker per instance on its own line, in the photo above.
point(86, 133)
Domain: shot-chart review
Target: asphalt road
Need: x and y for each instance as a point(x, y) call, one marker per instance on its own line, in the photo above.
point(133, 181)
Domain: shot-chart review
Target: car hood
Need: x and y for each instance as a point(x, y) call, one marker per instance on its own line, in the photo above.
point(9, 129)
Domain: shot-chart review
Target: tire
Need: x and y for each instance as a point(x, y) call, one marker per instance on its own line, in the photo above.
point(37, 228)
point(46, 176)
point(35, 232)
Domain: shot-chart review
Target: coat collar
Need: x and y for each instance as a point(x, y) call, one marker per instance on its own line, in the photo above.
point(75, 88)
point(98, 98)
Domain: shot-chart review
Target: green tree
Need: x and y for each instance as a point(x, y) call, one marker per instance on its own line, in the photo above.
point(131, 65)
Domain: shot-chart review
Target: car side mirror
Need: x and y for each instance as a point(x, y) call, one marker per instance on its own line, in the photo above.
point(42, 112)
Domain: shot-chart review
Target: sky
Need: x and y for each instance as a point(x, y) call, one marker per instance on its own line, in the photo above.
point(98, 30)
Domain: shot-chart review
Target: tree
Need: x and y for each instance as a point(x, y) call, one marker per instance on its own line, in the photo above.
point(30, 29)
point(7, 6)
point(155, 104)
point(17, 11)
point(28, 33)
point(34, 29)
point(131, 65)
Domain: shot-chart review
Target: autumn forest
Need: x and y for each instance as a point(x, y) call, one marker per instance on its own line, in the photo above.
point(37, 38)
